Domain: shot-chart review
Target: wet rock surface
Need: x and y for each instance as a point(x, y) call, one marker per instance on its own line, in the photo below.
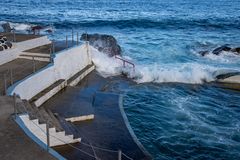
point(220, 50)
point(104, 43)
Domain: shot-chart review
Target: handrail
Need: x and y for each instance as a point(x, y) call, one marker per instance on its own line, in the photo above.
point(125, 61)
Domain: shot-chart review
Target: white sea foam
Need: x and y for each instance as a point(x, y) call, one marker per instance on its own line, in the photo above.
point(178, 72)
point(18, 26)
point(224, 57)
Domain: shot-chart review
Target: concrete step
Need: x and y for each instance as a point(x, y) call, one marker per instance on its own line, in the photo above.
point(68, 127)
point(39, 130)
point(42, 115)
point(47, 93)
point(75, 79)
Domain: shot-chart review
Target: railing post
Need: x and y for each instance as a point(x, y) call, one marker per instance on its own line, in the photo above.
point(34, 65)
point(14, 36)
point(66, 41)
point(11, 76)
point(119, 155)
point(48, 140)
point(5, 83)
point(15, 105)
point(53, 47)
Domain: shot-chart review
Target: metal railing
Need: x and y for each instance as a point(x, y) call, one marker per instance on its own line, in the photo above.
point(125, 62)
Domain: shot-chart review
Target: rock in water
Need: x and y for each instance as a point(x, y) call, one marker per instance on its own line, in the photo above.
point(218, 50)
point(236, 50)
point(104, 43)
point(203, 53)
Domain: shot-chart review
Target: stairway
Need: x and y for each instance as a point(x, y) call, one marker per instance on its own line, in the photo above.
point(35, 119)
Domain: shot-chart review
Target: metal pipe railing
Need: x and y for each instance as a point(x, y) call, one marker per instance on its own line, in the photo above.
point(126, 62)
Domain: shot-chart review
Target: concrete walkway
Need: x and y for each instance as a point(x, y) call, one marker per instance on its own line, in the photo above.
point(15, 144)
point(21, 68)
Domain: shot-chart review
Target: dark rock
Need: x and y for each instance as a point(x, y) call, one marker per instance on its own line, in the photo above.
point(9, 44)
point(236, 50)
point(227, 75)
point(3, 38)
point(6, 27)
point(5, 46)
point(104, 43)
point(1, 48)
point(203, 53)
point(218, 50)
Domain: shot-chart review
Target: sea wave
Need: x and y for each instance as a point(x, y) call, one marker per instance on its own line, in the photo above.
point(164, 23)
point(193, 73)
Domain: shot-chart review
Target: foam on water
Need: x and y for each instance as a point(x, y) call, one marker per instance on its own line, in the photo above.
point(178, 72)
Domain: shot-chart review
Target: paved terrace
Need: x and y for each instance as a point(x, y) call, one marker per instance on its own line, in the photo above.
point(21, 68)
point(15, 144)
point(19, 37)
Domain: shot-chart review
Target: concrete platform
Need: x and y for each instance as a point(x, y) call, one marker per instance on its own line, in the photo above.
point(21, 68)
point(109, 129)
point(15, 144)
point(71, 102)
point(45, 49)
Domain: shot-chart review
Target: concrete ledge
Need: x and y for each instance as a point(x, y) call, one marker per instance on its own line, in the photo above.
point(231, 79)
point(74, 80)
point(46, 94)
point(80, 118)
point(37, 58)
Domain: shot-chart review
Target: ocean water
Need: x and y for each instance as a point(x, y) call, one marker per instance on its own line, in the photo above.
point(172, 111)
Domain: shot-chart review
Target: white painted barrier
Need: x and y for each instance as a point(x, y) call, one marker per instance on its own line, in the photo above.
point(13, 53)
point(66, 64)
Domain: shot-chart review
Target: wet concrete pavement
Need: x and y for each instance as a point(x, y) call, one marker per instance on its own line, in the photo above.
point(15, 144)
point(108, 130)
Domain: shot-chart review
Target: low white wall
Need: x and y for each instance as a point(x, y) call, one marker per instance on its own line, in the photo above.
point(13, 53)
point(66, 64)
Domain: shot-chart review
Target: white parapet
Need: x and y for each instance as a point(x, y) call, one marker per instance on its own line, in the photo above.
point(40, 131)
point(66, 64)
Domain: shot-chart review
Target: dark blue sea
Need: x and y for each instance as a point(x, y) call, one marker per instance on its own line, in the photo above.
point(171, 109)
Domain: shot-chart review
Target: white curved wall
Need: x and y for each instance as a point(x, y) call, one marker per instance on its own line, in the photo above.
point(66, 64)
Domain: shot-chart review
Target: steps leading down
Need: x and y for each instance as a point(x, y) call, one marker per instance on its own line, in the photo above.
point(48, 92)
point(35, 119)
point(40, 131)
